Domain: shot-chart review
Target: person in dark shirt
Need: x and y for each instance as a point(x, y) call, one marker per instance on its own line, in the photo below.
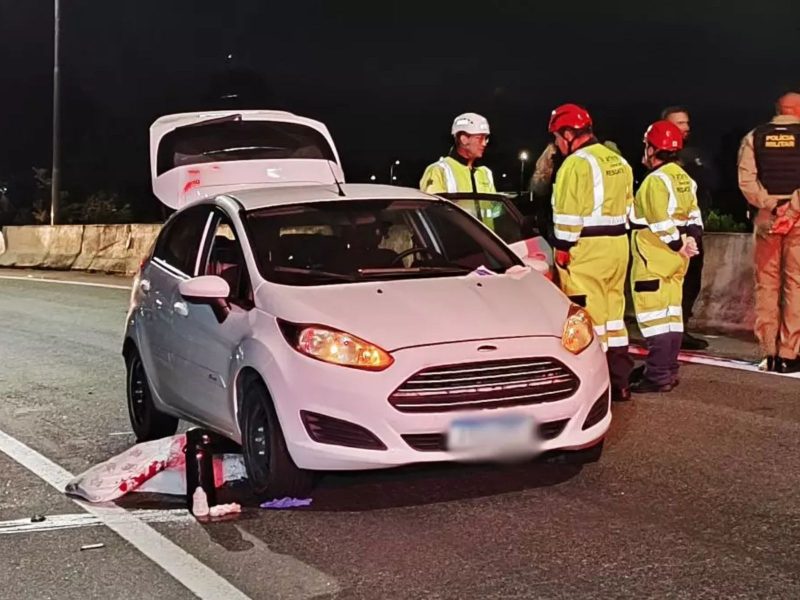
point(695, 162)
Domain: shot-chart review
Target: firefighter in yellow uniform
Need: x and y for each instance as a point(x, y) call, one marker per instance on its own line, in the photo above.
point(592, 196)
point(667, 227)
point(461, 171)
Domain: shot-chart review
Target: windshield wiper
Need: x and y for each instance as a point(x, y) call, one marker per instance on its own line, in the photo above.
point(241, 149)
point(413, 271)
point(316, 273)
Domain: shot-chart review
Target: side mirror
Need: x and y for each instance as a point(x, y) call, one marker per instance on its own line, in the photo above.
point(538, 263)
point(520, 249)
point(207, 289)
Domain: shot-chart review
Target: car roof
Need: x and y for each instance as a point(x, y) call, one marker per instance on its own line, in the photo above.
point(278, 196)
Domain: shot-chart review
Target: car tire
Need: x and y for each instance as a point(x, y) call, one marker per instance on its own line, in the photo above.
point(271, 471)
point(147, 421)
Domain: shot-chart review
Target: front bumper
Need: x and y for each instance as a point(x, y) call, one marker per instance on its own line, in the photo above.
point(361, 398)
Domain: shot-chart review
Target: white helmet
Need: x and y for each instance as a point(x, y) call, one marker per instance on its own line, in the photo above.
point(471, 123)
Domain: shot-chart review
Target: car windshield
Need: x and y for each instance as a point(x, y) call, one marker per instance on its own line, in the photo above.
point(354, 240)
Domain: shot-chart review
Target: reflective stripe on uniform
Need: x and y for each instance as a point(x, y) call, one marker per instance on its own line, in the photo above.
point(671, 311)
point(617, 341)
point(651, 315)
point(672, 206)
point(592, 221)
point(600, 329)
point(655, 330)
point(449, 176)
point(597, 181)
point(662, 226)
point(567, 236)
point(489, 175)
point(615, 325)
point(662, 328)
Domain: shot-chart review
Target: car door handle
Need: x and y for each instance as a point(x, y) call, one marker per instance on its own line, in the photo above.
point(144, 285)
point(181, 308)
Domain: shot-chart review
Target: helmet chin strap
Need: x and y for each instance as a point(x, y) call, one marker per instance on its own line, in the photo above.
point(571, 143)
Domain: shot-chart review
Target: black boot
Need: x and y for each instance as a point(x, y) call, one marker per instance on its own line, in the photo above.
point(787, 365)
point(691, 342)
point(769, 364)
point(637, 374)
point(620, 394)
point(645, 386)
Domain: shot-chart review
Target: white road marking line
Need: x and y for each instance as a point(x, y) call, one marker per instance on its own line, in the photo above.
point(712, 361)
point(185, 568)
point(73, 521)
point(121, 433)
point(62, 281)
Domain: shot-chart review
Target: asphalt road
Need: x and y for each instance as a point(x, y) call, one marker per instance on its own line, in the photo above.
point(696, 495)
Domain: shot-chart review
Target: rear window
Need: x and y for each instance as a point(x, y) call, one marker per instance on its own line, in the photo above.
point(231, 138)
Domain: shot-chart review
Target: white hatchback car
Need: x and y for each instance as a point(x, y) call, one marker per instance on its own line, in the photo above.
point(355, 327)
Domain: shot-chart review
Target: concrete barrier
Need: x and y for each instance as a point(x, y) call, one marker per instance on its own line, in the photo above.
point(726, 300)
point(63, 246)
point(26, 246)
point(103, 248)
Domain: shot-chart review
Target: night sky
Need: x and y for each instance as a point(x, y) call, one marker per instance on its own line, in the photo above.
point(387, 79)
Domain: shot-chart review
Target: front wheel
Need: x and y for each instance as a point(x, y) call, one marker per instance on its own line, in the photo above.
point(147, 421)
point(270, 470)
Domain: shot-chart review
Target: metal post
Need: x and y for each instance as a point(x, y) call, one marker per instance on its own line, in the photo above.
point(523, 156)
point(55, 180)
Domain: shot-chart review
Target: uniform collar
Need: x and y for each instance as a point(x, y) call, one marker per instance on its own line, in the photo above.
point(458, 158)
point(663, 165)
point(590, 142)
point(785, 120)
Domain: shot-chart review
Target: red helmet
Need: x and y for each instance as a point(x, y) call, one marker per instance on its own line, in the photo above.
point(664, 135)
point(569, 115)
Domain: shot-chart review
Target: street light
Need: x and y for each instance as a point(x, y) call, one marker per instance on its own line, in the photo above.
point(372, 178)
point(55, 173)
point(523, 157)
point(392, 178)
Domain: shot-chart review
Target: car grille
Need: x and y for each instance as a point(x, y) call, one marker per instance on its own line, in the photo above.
point(437, 442)
point(482, 385)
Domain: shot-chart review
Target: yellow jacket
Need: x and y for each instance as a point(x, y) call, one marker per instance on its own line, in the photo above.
point(666, 206)
point(452, 175)
point(592, 195)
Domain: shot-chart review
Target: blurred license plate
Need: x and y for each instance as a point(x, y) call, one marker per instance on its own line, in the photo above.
point(489, 434)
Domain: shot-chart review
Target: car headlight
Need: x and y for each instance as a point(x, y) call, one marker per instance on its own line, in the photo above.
point(578, 330)
point(335, 347)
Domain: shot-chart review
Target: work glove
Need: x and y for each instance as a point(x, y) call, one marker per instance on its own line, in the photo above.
point(562, 258)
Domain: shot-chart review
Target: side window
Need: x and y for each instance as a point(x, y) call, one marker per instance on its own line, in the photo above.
point(463, 250)
point(179, 243)
point(495, 216)
point(226, 259)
